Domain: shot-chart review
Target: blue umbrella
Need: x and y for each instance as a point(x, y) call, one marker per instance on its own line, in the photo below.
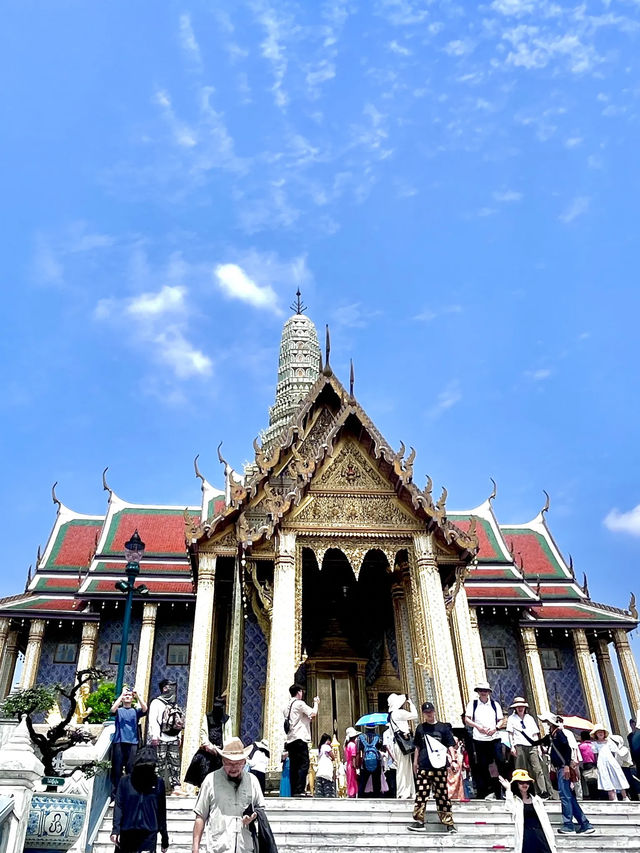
point(377, 719)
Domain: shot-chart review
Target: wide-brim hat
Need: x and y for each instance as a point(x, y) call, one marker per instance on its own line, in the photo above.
point(520, 776)
point(519, 702)
point(548, 717)
point(233, 750)
point(599, 727)
point(351, 732)
point(395, 701)
point(482, 685)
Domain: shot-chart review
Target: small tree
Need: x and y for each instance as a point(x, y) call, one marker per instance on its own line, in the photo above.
point(64, 734)
point(101, 701)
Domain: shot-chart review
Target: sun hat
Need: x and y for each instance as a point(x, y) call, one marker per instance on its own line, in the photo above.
point(599, 727)
point(395, 701)
point(519, 702)
point(350, 732)
point(520, 776)
point(482, 685)
point(233, 750)
point(548, 717)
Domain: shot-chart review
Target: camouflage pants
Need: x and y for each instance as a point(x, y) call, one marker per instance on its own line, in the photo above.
point(436, 780)
point(169, 763)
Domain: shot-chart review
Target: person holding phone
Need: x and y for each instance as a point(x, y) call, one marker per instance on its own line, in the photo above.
point(126, 738)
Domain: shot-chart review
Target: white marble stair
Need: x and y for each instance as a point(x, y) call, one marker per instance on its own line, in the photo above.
point(342, 826)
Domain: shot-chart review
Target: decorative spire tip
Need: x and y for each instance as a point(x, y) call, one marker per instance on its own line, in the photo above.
point(298, 305)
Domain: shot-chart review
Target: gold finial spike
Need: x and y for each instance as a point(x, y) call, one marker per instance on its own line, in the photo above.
point(494, 493)
point(54, 497)
point(38, 557)
point(105, 485)
point(547, 504)
point(28, 583)
point(571, 569)
point(222, 460)
point(633, 610)
point(585, 585)
point(297, 306)
point(327, 354)
point(197, 470)
point(351, 379)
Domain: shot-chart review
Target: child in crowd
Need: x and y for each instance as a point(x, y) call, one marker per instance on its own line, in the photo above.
point(325, 784)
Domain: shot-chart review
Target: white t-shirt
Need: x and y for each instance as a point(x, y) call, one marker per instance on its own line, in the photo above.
point(516, 727)
point(299, 720)
point(484, 716)
point(325, 764)
point(258, 761)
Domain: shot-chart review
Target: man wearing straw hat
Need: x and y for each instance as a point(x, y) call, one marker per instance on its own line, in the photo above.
point(484, 716)
point(226, 804)
point(523, 734)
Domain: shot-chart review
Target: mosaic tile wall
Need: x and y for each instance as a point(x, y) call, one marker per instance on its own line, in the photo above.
point(507, 683)
point(170, 631)
point(254, 676)
point(376, 654)
point(111, 632)
point(563, 685)
point(58, 673)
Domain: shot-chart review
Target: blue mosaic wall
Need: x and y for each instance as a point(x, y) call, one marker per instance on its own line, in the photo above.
point(111, 632)
point(172, 630)
point(254, 676)
point(58, 673)
point(506, 683)
point(564, 684)
point(376, 655)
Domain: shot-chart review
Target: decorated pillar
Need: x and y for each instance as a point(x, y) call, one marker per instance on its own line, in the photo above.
point(5, 623)
point(32, 654)
point(628, 670)
point(234, 678)
point(8, 663)
point(467, 644)
point(612, 698)
point(145, 650)
point(403, 642)
point(87, 652)
point(438, 637)
point(590, 688)
point(200, 661)
point(537, 685)
point(283, 657)
point(419, 653)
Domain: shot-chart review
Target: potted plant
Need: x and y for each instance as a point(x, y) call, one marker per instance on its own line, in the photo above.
point(55, 820)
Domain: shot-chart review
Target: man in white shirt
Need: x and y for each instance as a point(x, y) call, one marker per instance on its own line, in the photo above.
point(297, 722)
point(523, 732)
point(485, 717)
point(167, 743)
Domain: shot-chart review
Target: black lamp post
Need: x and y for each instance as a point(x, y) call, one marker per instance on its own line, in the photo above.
point(133, 549)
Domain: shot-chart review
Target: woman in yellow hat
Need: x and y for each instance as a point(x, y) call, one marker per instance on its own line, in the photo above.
point(533, 833)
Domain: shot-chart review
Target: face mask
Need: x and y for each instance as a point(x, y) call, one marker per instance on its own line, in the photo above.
point(170, 694)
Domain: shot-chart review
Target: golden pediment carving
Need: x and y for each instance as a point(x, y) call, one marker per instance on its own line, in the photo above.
point(377, 512)
point(350, 471)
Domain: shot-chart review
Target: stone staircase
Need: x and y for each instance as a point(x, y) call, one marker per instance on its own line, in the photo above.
point(341, 826)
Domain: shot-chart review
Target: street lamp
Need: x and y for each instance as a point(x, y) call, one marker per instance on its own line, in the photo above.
point(133, 550)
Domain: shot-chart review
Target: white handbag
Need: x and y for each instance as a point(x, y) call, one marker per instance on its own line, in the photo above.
point(437, 752)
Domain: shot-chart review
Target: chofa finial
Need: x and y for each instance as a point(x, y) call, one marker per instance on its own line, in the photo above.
point(196, 469)
point(547, 503)
point(106, 485)
point(327, 353)
point(54, 497)
point(351, 379)
point(494, 493)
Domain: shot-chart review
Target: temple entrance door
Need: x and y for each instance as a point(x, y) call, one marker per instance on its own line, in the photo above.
point(342, 700)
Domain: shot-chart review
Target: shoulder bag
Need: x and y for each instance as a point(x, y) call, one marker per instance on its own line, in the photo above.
point(404, 740)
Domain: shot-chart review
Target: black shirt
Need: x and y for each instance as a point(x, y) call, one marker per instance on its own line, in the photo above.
point(438, 731)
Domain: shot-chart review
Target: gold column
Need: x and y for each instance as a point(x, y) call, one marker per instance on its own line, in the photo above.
point(438, 637)
point(8, 663)
point(467, 644)
point(87, 652)
point(403, 641)
point(234, 679)
point(5, 623)
point(539, 697)
point(201, 654)
point(612, 697)
point(590, 689)
point(419, 651)
point(32, 654)
point(283, 656)
point(628, 670)
point(145, 650)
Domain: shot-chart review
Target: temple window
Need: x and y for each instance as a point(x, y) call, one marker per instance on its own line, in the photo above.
point(66, 653)
point(178, 654)
point(114, 653)
point(495, 657)
point(550, 659)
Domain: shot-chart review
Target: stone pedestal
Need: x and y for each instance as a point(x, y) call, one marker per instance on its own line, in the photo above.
point(448, 701)
point(32, 654)
point(20, 772)
point(535, 675)
point(283, 656)
point(200, 663)
point(590, 686)
point(617, 716)
point(628, 670)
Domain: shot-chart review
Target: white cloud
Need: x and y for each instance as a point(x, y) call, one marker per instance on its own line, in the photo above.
point(573, 141)
point(54, 250)
point(578, 207)
point(458, 47)
point(168, 300)
point(429, 314)
point(236, 284)
point(181, 356)
point(400, 49)
point(46, 266)
point(353, 316)
point(513, 7)
point(539, 375)
point(507, 196)
point(188, 39)
point(445, 400)
point(533, 48)
point(624, 522)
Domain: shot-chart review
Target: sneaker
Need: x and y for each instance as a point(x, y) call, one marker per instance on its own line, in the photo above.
point(416, 826)
point(589, 830)
point(545, 796)
point(490, 797)
point(564, 831)
point(452, 828)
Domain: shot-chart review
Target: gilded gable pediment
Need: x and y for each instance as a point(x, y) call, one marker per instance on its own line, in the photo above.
point(349, 470)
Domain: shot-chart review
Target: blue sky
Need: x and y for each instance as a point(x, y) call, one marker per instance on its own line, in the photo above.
point(454, 186)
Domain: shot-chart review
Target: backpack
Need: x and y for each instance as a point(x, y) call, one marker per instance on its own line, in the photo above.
point(370, 750)
point(172, 722)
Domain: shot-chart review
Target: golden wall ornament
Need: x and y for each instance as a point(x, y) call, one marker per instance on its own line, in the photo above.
point(349, 469)
point(352, 511)
point(404, 468)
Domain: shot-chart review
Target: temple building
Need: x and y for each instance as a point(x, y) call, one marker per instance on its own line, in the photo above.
point(323, 561)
